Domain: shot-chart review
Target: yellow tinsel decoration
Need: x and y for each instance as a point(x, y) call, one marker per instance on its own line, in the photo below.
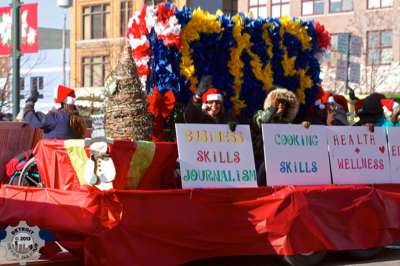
point(295, 28)
point(305, 83)
point(235, 64)
point(201, 22)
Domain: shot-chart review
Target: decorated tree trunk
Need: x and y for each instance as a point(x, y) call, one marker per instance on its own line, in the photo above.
point(126, 115)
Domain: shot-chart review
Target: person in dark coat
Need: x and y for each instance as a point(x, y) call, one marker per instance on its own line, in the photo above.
point(206, 106)
point(280, 107)
point(62, 123)
point(371, 111)
point(329, 110)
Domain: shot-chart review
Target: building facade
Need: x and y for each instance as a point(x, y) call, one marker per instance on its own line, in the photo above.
point(42, 71)
point(98, 29)
point(374, 22)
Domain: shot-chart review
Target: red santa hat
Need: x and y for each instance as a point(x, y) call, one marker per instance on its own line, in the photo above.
point(388, 106)
point(323, 98)
point(342, 101)
point(327, 98)
point(65, 95)
point(358, 105)
point(211, 94)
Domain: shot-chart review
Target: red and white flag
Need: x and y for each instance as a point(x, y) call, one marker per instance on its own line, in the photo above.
point(29, 29)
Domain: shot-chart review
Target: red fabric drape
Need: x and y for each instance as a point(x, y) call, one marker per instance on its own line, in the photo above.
point(54, 165)
point(181, 226)
point(130, 227)
point(56, 170)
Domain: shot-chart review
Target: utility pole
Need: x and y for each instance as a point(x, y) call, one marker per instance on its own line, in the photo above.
point(63, 49)
point(16, 56)
point(64, 4)
point(346, 82)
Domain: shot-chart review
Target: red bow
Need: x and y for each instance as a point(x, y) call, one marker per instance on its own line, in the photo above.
point(161, 104)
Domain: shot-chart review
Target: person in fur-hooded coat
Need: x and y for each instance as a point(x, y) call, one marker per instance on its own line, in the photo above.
point(280, 107)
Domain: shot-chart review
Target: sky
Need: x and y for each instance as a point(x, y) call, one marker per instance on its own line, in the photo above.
point(50, 15)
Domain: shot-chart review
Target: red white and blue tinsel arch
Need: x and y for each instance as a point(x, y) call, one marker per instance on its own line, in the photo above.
point(162, 20)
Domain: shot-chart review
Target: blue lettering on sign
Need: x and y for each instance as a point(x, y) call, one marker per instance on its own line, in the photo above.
point(287, 167)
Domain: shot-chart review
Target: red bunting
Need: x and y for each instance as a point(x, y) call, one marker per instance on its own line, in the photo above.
point(143, 70)
point(324, 37)
point(164, 13)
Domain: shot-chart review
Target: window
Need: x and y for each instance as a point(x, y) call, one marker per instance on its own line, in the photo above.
point(126, 13)
point(37, 84)
point(21, 84)
point(312, 7)
point(334, 41)
point(94, 71)
point(96, 22)
point(336, 6)
point(280, 8)
point(230, 7)
point(379, 3)
point(379, 47)
point(258, 8)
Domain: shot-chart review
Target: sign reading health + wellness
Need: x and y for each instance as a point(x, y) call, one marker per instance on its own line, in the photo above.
point(358, 156)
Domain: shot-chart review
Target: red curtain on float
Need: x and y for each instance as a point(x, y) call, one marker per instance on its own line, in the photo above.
point(144, 165)
point(129, 227)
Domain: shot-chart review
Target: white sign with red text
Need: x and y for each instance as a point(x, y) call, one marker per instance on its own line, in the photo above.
point(213, 156)
point(394, 152)
point(295, 155)
point(358, 156)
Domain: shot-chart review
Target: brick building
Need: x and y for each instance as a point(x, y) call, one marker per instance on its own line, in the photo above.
point(98, 27)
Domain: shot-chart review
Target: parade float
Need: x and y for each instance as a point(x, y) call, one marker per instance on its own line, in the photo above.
point(146, 219)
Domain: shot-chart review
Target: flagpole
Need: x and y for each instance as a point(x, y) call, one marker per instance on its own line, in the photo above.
point(16, 56)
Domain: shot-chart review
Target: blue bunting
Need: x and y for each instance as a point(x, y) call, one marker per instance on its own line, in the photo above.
point(211, 55)
point(164, 66)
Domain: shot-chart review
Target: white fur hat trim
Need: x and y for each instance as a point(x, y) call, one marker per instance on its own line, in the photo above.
point(69, 100)
point(214, 97)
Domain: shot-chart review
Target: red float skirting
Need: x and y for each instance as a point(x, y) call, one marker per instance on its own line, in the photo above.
point(175, 226)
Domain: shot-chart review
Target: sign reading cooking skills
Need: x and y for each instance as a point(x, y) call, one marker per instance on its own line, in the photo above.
point(295, 155)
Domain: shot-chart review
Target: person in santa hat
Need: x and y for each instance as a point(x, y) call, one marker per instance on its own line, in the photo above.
point(329, 109)
point(371, 112)
point(391, 110)
point(61, 123)
point(206, 106)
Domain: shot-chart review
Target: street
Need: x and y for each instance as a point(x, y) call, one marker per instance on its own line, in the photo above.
point(390, 256)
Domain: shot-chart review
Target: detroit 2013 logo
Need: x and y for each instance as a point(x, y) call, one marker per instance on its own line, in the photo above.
point(22, 242)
